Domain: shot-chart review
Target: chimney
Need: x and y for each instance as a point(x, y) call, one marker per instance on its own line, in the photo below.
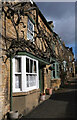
point(51, 24)
point(71, 49)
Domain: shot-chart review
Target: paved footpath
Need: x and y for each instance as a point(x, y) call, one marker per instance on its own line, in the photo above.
point(61, 105)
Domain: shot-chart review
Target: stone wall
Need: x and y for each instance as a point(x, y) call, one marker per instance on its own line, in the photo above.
point(47, 77)
point(4, 88)
point(4, 80)
point(55, 84)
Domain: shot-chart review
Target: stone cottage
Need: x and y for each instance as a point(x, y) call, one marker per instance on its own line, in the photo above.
point(68, 61)
point(31, 57)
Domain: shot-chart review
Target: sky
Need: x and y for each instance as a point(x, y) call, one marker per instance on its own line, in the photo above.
point(63, 16)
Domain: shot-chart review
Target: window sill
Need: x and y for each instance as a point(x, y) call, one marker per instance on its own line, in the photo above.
point(25, 93)
point(56, 79)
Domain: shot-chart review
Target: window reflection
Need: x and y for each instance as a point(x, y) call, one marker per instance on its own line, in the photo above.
point(18, 64)
point(17, 81)
point(27, 65)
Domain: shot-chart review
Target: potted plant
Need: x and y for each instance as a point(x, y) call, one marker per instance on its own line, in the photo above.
point(42, 97)
point(13, 115)
point(49, 91)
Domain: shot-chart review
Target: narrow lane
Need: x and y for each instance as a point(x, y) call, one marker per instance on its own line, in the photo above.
point(62, 104)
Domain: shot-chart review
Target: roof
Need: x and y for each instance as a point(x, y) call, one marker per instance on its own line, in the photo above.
point(43, 18)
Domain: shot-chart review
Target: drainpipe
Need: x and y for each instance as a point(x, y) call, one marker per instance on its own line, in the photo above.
point(10, 83)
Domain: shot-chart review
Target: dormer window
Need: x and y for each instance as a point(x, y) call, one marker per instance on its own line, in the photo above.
point(30, 29)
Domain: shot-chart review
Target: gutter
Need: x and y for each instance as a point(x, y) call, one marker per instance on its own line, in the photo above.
point(10, 83)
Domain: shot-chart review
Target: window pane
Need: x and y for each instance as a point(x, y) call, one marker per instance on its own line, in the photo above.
point(27, 65)
point(29, 35)
point(30, 25)
point(53, 65)
point(57, 67)
point(18, 64)
point(31, 66)
point(54, 74)
point(27, 78)
point(35, 67)
point(31, 80)
point(54, 70)
point(17, 81)
point(30, 30)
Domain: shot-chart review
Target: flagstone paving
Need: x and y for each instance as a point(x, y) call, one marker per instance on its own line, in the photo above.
point(62, 104)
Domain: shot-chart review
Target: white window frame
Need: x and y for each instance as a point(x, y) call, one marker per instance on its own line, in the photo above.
point(30, 31)
point(24, 87)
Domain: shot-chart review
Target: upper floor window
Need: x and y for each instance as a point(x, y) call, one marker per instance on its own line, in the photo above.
point(30, 30)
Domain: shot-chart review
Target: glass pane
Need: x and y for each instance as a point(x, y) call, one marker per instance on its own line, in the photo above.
point(53, 65)
point(29, 35)
point(27, 80)
point(27, 65)
point(30, 25)
point(54, 74)
point(54, 70)
point(30, 30)
point(35, 67)
point(57, 67)
point(58, 74)
point(31, 66)
point(31, 80)
point(18, 64)
point(34, 80)
point(17, 81)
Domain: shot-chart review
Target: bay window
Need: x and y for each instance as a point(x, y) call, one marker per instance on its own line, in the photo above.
point(25, 74)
